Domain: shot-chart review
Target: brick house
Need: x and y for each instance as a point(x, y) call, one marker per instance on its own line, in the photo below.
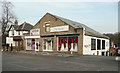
point(56, 34)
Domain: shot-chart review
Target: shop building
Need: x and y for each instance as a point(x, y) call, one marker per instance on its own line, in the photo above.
point(57, 34)
point(16, 33)
point(33, 40)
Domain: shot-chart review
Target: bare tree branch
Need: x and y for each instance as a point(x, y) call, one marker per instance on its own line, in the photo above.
point(7, 16)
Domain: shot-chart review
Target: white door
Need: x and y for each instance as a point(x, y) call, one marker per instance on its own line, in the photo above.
point(36, 44)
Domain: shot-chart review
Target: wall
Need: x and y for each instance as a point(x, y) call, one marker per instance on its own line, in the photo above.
point(53, 23)
point(88, 51)
point(16, 33)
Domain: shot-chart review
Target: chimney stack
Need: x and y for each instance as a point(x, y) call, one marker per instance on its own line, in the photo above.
point(23, 25)
point(16, 22)
point(24, 22)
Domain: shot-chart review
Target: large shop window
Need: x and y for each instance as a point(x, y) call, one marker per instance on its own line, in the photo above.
point(68, 44)
point(98, 44)
point(30, 44)
point(93, 44)
point(47, 44)
point(33, 44)
point(103, 44)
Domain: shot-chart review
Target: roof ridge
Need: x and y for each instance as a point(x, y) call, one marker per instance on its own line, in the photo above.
point(29, 23)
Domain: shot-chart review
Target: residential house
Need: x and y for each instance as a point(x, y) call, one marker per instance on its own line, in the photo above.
point(16, 33)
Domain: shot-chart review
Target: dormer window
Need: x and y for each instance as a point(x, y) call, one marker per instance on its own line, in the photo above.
point(47, 27)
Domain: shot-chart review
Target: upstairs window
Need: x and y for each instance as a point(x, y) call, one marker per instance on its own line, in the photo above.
point(93, 44)
point(103, 44)
point(47, 27)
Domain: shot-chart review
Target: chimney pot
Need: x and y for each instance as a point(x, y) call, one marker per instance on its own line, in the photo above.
point(24, 22)
point(16, 22)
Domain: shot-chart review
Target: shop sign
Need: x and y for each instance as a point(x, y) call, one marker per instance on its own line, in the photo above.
point(9, 40)
point(35, 32)
point(59, 28)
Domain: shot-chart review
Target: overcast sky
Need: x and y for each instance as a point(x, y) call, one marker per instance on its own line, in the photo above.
point(100, 16)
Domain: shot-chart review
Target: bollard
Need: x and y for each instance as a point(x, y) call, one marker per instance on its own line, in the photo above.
point(71, 53)
point(7, 47)
point(11, 48)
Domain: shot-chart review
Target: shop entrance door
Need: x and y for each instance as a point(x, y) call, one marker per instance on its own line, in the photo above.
point(36, 44)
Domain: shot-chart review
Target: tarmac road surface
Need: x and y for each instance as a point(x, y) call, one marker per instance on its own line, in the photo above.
point(23, 62)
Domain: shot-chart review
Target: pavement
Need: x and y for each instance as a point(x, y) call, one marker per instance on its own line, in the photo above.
point(43, 53)
point(13, 61)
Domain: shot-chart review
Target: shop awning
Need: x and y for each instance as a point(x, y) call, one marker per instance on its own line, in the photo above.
point(17, 38)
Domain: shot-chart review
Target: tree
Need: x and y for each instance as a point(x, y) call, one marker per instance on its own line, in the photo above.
point(115, 38)
point(7, 16)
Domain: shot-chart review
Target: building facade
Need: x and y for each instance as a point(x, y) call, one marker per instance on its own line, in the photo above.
point(16, 33)
point(56, 34)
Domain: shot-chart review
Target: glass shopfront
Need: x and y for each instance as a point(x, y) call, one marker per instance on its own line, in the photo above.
point(68, 44)
point(33, 44)
point(48, 44)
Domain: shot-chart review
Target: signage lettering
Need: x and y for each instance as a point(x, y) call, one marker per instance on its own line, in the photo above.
point(35, 32)
point(59, 28)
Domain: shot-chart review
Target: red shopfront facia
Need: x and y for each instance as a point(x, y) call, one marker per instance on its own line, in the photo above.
point(67, 43)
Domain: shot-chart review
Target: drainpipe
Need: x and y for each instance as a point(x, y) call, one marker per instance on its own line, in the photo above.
point(83, 38)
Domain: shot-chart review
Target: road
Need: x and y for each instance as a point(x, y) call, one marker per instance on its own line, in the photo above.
point(23, 62)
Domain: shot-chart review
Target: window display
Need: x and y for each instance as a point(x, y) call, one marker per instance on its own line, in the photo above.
point(29, 44)
point(68, 44)
point(33, 44)
point(47, 44)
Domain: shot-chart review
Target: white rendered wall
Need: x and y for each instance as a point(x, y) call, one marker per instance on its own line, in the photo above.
point(16, 33)
point(88, 51)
